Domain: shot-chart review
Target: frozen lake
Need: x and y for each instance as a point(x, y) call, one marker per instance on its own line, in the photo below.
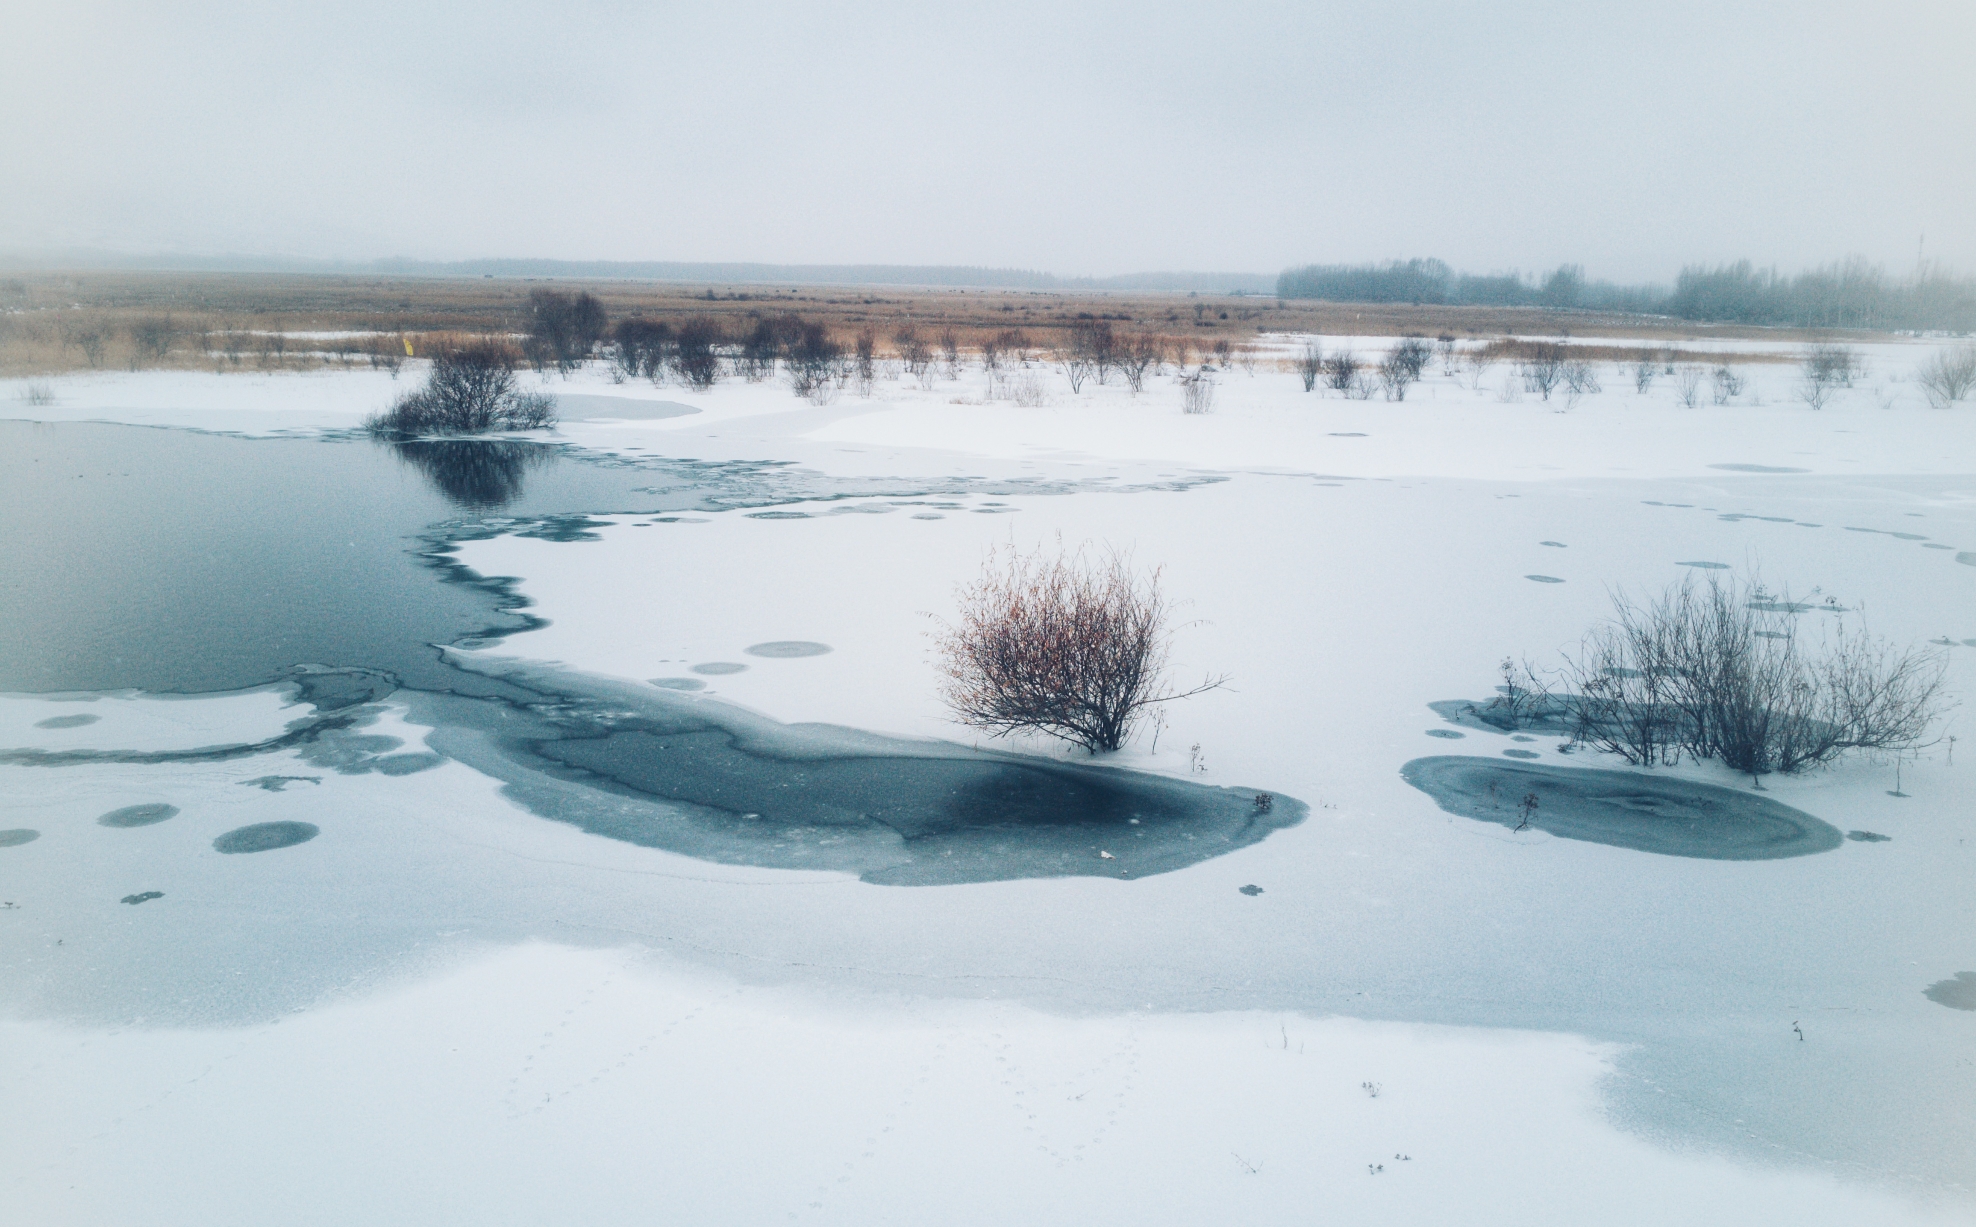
point(413, 708)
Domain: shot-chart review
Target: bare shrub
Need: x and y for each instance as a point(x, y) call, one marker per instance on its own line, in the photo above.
point(814, 360)
point(864, 363)
point(1727, 383)
point(563, 329)
point(1688, 385)
point(991, 354)
point(1341, 370)
point(1645, 367)
point(1948, 376)
point(759, 351)
point(1450, 354)
point(1396, 371)
point(1076, 367)
point(387, 353)
point(1362, 387)
point(1543, 370)
point(1479, 362)
point(37, 393)
point(1094, 341)
point(1814, 392)
point(696, 352)
point(913, 350)
point(950, 352)
point(90, 342)
point(1197, 392)
point(1837, 365)
point(1061, 644)
point(1029, 391)
point(641, 347)
point(1015, 343)
point(1581, 378)
point(1310, 364)
point(1723, 671)
point(1411, 354)
point(470, 390)
point(1133, 357)
point(151, 339)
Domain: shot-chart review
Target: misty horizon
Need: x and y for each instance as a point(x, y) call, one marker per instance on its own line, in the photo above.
point(1093, 141)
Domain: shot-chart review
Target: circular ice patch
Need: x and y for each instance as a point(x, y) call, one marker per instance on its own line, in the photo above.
point(786, 648)
point(1544, 579)
point(929, 515)
point(66, 722)
point(266, 836)
point(138, 815)
point(1957, 994)
point(17, 837)
point(1520, 754)
point(1623, 809)
point(677, 683)
point(1450, 734)
point(406, 764)
point(719, 668)
point(1706, 566)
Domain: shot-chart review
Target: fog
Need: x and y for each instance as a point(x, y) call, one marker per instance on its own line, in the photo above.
point(1082, 139)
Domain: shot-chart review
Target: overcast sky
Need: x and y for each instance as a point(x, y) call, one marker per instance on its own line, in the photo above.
point(1078, 138)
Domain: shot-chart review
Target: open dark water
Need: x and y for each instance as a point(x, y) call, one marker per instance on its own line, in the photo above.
point(173, 561)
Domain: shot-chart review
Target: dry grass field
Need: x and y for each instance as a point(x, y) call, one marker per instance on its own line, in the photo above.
point(56, 322)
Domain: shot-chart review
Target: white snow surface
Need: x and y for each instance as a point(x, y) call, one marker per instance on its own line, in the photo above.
point(720, 1044)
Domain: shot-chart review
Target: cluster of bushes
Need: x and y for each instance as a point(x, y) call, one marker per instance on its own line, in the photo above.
point(471, 390)
point(564, 330)
point(1723, 670)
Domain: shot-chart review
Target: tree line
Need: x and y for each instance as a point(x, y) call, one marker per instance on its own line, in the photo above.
point(1850, 294)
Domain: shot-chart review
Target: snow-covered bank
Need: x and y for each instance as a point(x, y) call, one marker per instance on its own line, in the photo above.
point(549, 1084)
point(1486, 426)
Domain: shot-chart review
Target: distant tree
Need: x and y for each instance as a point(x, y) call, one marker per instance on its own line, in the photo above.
point(1563, 288)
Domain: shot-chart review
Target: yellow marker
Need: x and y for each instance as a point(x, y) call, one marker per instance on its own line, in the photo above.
point(408, 347)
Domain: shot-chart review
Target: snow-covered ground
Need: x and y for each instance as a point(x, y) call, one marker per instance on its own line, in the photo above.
point(564, 1027)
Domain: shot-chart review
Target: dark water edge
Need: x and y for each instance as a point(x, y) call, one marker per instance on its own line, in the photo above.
point(185, 563)
point(705, 779)
point(1623, 809)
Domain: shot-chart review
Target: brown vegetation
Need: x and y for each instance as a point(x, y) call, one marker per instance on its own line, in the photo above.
point(52, 322)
